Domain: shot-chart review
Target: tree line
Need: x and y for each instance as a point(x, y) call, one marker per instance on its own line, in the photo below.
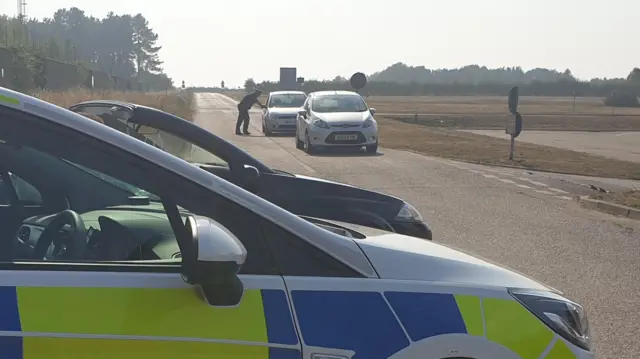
point(123, 46)
point(402, 80)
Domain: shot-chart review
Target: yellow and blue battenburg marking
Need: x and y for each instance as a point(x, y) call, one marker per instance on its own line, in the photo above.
point(263, 317)
point(362, 322)
point(371, 324)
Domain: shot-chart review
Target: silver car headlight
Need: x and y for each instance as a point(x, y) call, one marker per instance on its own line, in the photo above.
point(368, 123)
point(408, 212)
point(563, 316)
point(320, 123)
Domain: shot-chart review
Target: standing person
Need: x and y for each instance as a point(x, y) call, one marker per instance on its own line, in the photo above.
point(243, 111)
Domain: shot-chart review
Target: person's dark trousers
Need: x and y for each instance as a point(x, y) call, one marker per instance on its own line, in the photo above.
point(243, 119)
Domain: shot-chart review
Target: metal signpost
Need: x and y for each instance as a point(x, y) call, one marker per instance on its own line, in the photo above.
point(358, 81)
point(513, 127)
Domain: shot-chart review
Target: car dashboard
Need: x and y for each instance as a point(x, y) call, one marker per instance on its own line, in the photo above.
point(112, 234)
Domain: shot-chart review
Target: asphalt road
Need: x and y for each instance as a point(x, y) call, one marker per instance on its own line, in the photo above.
point(619, 145)
point(523, 220)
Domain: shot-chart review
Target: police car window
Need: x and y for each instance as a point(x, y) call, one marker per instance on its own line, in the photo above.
point(118, 198)
point(287, 100)
point(27, 194)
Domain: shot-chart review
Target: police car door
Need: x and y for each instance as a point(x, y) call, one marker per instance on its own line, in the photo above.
point(125, 296)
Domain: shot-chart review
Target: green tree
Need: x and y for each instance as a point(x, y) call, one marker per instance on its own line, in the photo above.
point(634, 76)
point(145, 50)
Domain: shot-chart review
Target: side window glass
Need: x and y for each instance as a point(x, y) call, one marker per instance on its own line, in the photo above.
point(121, 222)
point(27, 193)
point(268, 102)
point(296, 257)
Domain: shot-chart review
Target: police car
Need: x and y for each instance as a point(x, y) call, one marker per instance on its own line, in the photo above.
point(125, 251)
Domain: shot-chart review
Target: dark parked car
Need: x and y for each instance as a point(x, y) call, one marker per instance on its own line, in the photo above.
point(302, 195)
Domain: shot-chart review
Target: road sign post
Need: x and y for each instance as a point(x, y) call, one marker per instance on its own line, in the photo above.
point(513, 127)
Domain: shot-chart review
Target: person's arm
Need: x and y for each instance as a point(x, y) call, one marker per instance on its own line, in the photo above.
point(260, 104)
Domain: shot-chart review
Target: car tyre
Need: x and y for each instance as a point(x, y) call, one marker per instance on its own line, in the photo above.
point(309, 148)
point(299, 142)
point(372, 149)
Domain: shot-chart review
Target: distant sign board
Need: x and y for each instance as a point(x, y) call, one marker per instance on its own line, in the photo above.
point(288, 78)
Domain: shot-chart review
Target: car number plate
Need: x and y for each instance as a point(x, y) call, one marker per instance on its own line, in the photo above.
point(346, 137)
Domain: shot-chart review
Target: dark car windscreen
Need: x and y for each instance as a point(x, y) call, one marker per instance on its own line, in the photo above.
point(338, 103)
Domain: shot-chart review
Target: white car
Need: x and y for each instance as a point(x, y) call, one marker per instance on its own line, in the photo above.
point(282, 110)
point(336, 119)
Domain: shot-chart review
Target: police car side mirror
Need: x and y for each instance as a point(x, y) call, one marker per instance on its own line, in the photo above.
point(212, 261)
point(302, 113)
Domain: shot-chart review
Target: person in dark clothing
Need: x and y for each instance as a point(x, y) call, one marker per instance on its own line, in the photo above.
point(243, 111)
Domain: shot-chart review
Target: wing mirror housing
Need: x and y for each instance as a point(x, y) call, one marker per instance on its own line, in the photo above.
point(249, 177)
point(302, 113)
point(212, 262)
point(372, 110)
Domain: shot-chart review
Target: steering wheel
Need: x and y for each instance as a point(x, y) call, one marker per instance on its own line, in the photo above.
point(75, 249)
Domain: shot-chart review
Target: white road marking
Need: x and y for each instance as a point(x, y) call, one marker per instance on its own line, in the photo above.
point(489, 176)
point(533, 182)
point(557, 190)
point(476, 172)
point(523, 186)
point(564, 197)
point(543, 191)
point(506, 180)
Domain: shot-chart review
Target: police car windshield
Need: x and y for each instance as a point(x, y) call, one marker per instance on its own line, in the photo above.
point(287, 100)
point(338, 103)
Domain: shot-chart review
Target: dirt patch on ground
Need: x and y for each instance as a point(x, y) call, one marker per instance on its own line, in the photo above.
point(628, 198)
point(481, 149)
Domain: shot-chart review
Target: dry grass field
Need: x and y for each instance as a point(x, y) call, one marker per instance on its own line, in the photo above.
point(493, 105)
point(177, 103)
point(468, 147)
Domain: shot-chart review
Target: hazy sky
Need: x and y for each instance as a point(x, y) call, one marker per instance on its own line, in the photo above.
point(206, 41)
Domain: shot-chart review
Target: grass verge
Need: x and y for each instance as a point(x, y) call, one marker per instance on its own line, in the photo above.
point(179, 103)
point(494, 151)
point(629, 198)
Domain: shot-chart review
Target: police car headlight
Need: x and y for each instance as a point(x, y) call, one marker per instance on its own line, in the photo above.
point(563, 316)
point(408, 212)
point(320, 123)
